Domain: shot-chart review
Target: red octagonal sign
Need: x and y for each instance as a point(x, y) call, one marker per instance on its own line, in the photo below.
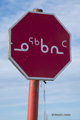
point(39, 46)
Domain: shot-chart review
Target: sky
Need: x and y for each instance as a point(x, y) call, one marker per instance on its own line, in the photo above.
point(63, 94)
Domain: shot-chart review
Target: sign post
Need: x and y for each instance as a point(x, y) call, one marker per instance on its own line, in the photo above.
point(39, 46)
point(33, 100)
point(33, 95)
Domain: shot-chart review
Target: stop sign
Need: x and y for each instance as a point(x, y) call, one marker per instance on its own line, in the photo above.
point(39, 46)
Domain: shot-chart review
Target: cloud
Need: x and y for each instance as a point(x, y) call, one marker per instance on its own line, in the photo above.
point(38, 4)
point(13, 92)
point(7, 70)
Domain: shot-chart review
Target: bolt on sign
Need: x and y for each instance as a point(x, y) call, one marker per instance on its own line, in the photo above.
point(39, 46)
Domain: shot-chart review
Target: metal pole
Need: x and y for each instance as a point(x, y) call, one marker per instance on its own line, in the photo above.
point(33, 100)
point(33, 94)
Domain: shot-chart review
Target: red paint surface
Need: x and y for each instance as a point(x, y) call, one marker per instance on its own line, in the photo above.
point(34, 62)
point(33, 100)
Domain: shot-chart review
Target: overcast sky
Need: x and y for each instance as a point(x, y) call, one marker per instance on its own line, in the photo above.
point(63, 94)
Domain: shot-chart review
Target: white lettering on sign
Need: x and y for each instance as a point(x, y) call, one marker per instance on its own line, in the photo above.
point(63, 43)
point(36, 42)
point(47, 49)
point(57, 52)
point(44, 48)
point(30, 40)
point(33, 40)
point(22, 47)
